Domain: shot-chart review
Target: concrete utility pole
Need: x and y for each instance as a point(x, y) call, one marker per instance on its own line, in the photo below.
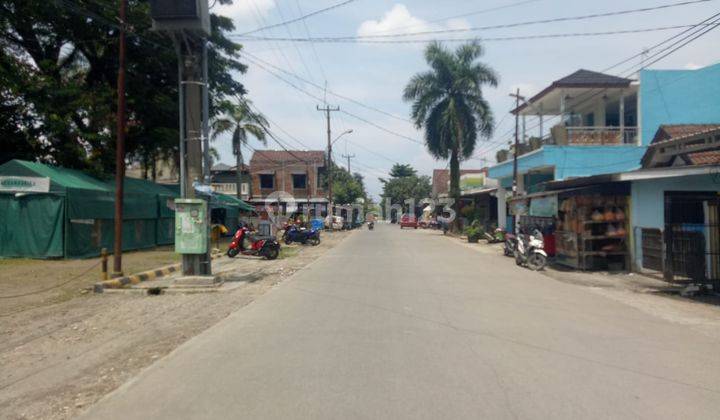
point(327, 110)
point(120, 146)
point(517, 97)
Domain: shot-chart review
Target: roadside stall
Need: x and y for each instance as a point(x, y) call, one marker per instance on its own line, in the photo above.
point(593, 228)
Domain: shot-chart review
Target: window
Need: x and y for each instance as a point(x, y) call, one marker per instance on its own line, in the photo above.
point(267, 181)
point(244, 187)
point(299, 181)
point(321, 177)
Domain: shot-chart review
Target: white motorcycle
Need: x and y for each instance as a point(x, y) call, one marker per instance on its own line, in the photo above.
point(530, 252)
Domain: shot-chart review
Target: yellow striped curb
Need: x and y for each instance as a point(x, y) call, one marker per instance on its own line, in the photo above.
point(121, 282)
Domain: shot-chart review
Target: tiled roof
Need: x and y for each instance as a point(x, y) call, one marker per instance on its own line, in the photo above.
point(292, 156)
point(582, 78)
point(441, 177)
point(222, 167)
point(711, 157)
point(668, 132)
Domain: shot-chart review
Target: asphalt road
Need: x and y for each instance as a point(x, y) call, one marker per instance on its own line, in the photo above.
point(406, 324)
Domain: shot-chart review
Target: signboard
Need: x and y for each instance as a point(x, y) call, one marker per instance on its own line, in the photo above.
point(17, 184)
point(190, 226)
point(472, 182)
point(544, 206)
point(519, 207)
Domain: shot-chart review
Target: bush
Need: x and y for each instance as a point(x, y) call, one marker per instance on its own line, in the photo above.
point(474, 232)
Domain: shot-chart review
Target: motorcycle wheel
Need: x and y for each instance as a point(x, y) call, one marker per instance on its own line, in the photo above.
point(272, 253)
point(233, 252)
point(537, 262)
point(314, 241)
point(287, 240)
point(518, 259)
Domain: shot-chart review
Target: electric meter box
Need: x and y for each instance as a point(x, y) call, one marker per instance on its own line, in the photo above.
point(191, 226)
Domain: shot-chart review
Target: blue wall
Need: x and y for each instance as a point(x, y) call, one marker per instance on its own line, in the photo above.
point(574, 161)
point(647, 204)
point(678, 97)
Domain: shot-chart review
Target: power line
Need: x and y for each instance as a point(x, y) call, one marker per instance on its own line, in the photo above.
point(518, 24)
point(317, 12)
point(488, 39)
point(343, 111)
point(356, 102)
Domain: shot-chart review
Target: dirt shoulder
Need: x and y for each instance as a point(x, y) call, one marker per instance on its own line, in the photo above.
point(57, 359)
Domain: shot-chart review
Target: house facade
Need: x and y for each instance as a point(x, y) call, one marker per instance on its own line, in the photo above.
point(224, 180)
point(285, 176)
point(591, 123)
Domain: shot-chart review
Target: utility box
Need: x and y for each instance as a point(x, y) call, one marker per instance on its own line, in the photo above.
point(191, 226)
point(181, 15)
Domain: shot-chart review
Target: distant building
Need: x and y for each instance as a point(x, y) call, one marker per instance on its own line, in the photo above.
point(441, 180)
point(224, 180)
point(279, 174)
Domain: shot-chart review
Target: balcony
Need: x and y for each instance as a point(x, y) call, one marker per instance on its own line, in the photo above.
point(593, 136)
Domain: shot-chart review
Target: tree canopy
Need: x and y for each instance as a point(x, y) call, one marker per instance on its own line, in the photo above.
point(58, 80)
point(404, 185)
point(447, 101)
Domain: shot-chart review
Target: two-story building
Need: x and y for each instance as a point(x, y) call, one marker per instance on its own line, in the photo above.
point(591, 123)
point(284, 176)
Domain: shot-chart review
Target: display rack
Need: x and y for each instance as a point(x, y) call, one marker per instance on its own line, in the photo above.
point(592, 233)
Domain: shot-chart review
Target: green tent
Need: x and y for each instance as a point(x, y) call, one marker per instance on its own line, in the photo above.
point(228, 208)
point(73, 217)
point(67, 213)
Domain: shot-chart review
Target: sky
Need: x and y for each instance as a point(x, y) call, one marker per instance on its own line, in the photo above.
point(375, 74)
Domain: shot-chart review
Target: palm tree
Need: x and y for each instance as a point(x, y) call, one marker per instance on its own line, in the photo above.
point(241, 120)
point(447, 101)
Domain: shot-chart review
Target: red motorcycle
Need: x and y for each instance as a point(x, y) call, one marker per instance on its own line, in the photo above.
point(245, 242)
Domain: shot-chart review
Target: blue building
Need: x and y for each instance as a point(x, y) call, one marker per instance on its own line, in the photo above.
point(601, 124)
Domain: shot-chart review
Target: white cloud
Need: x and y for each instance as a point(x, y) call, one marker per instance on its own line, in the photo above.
point(246, 11)
point(400, 20)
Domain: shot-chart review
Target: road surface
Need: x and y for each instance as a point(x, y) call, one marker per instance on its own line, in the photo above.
point(406, 324)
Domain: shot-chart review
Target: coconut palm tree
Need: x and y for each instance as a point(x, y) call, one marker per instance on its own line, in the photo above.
point(241, 120)
point(447, 101)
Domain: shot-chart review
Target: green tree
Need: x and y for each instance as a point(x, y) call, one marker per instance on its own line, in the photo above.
point(404, 185)
point(240, 120)
point(447, 101)
point(58, 70)
point(399, 170)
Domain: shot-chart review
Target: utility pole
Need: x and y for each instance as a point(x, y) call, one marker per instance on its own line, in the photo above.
point(517, 97)
point(349, 156)
point(120, 146)
point(327, 109)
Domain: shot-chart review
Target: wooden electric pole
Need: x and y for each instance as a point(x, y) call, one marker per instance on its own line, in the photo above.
point(349, 156)
point(120, 145)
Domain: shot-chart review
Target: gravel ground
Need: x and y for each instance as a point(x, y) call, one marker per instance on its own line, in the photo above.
point(59, 358)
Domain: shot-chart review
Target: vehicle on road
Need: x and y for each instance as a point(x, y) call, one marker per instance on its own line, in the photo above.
point(334, 222)
point(247, 242)
point(408, 220)
point(294, 233)
point(371, 225)
point(530, 252)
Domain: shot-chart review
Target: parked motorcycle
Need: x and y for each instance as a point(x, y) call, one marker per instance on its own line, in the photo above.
point(245, 242)
point(509, 247)
point(293, 233)
point(497, 236)
point(530, 251)
point(371, 225)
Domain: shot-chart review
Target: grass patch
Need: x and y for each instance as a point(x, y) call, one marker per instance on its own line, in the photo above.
point(287, 252)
